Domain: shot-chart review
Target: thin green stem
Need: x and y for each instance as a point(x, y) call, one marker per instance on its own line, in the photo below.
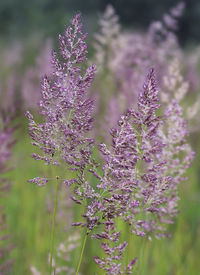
point(53, 228)
point(129, 249)
point(142, 250)
point(82, 251)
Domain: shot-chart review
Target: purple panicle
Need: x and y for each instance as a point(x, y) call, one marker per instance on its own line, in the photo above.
point(64, 106)
point(142, 170)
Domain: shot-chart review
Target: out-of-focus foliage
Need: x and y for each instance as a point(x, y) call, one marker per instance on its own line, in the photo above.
point(20, 17)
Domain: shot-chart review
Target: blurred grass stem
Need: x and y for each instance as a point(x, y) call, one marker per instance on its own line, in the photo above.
point(53, 228)
point(142, 250)
point(129, 249)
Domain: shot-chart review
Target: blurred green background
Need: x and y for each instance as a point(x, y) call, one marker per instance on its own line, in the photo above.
point(20, 18)
point(27, 205)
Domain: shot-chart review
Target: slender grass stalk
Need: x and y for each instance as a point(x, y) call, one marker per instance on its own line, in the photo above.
point(82, 251)
point(142, 250)
point(129, 249)
point(53, 228)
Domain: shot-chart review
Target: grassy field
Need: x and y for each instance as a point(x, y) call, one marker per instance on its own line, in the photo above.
point(144, 142)
point(29, 223)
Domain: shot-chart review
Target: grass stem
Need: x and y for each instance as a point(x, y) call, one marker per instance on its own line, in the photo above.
point(129, 249)
point(82, 251)
point(142, 251)
point(53, 228)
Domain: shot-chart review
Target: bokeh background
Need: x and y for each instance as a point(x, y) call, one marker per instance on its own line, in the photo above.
point(21, 18)
point(28, 31)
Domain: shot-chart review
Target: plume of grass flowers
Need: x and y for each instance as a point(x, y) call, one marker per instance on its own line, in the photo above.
point(138, 181)
point(142, 170)
point(66, 111)
point(128, 57)
point(176, 88)
point(64, 106)
point(148, 159)
point(106, 38)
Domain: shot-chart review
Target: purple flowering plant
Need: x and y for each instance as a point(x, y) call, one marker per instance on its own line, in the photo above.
point(122, 57)
point(62, 137)
point(137, 178)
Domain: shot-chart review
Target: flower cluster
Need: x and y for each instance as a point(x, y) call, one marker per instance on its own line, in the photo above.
point(113, 251)
point(137, 182)
point(142, 171)
point(106, 39)
point(131, 169)
point(64, 106)
point(128, 57)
